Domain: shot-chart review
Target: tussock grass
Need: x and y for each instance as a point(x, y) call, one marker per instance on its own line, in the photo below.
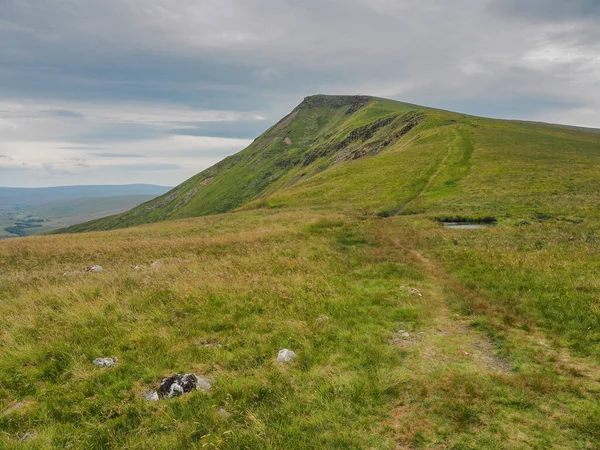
point(256, 282)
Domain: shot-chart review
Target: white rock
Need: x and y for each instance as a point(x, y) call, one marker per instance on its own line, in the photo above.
point(322, 318)
point(151, 396)
point(405, 335)
point(223, 413)
point(285, 355)
point(105, 362)
point(156, 264)
point(94, 269)
point(14, 407)
point(29, 436)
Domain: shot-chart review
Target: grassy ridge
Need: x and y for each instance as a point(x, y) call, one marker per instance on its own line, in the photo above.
point(378, 156)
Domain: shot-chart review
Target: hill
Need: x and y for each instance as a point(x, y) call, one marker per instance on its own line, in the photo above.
point(27, 211)
point(9, 197)
point(378, 156)
point(409, 331)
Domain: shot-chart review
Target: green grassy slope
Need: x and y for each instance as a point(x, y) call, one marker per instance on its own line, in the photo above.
point(321, 132)
point(377, 156)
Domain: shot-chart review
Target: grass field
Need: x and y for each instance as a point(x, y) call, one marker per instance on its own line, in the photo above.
point(408, 334)
point(488, 372)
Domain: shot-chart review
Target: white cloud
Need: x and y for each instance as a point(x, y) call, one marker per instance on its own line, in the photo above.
point(125, 75)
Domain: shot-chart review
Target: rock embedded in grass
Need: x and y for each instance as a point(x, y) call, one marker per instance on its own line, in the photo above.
point(151, 396)
point(14, 407)
point(179, 384)
point(105, 362)
point(322, 318)
point(223, 413)
point(29, 436)
point(285, 355)
point(93, 269)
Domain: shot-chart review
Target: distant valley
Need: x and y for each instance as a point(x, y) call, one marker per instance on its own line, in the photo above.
point(29, 211)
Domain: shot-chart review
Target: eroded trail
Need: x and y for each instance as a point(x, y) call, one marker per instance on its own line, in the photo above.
point(450, 340)
point(459, 373)
point(454, 146)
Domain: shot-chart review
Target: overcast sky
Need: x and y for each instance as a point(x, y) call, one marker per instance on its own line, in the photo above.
point(154, 91)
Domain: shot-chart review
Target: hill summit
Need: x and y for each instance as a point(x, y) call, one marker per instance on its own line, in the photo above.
point(378, 156)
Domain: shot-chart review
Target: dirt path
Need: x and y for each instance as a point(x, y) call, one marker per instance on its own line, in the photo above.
point(447, 354)
point(449, 339)
point(429, 181)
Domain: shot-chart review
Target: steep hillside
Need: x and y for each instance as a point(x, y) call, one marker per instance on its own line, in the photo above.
point(323, 131)
point(384, 157)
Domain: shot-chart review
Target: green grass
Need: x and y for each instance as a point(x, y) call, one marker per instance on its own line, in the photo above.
point(256, 282)
point(510, 313)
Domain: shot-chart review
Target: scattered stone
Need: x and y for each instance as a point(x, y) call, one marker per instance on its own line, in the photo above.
point(212, 345)
point(105, 362)
point(412, 290)
point(223, 413)
point(29, 436)
point(415, 291)
point(405, 335)
point(151, 396)
point(322, 318)
point(182, 384)
point(285, 355)
point(137, 267)
point(421, 333)
point(93, 269)
point(14, 407)
point(287, 141)
point(156, 264)
point(74, 272)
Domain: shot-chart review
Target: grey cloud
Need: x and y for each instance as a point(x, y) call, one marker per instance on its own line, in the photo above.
point(64, 113)
point(154, 167)
point(117, 155)
point(79, 147)
point(52, 170)
point(551, 10)
point(511, 58)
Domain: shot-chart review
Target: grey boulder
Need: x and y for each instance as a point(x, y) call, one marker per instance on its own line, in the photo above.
point(105, 362)
point(285, 355)
point(178, 384)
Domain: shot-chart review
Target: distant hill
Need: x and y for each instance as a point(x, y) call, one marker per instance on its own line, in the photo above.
point(27, 211)
point(35, 196)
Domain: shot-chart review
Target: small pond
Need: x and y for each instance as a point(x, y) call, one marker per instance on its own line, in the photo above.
point(466, 225)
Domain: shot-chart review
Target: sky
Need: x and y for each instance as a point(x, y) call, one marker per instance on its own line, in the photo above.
point(154, 91)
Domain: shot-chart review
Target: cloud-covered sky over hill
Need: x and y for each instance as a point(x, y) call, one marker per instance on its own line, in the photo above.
point(124, 91)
